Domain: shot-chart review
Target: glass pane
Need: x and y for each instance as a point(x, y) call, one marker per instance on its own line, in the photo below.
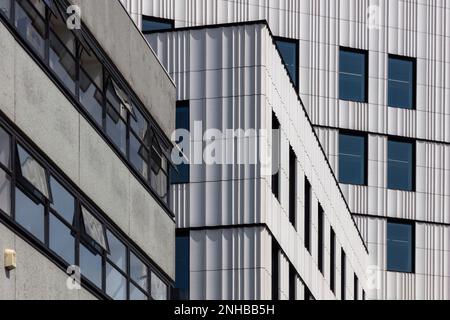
point(288, 51)
point(151, 24)
point(29, 215)
point(400, 94)
point(91, 97)
point(5, 192)
point(401, 69)
point(139, 124)
point(61, 240)
point(94, 228)
point(33, 171)
point(116, 128)
point(116, 284)
point(58, 26)
point(182, 268)
point(117, 251)
point(91, 266)
point(63, 201)
point(352, 160)
point(5, 146)
point(352, 76)
point(399, 247)
point(62, 63)
point(159, 288)
point(400, 165)
point(138, 271)
point(5, 7)
point(158, 182)
point(30, 25)
point(136, 294)
point(138, 156)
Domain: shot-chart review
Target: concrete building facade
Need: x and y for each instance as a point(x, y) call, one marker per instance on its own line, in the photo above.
point(373, 69)
point(84, 143)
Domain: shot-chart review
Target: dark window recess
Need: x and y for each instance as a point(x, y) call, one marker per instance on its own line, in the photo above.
point(352, 158)
point(320, 239)
point(180, 173)
point(292, 187)
point(181, 289)
point(352, 75)
point(276, 140)
point(343, 275)
point(66, 226)
point(95, 85)
point(292, 282)
point(308, 294)
point(364, 295)
point(288, 49)
point(332, 261)
point(401, 165)
point(150, 24)
point(275, 270)
point(307, 215)
point(355, 287)
point(400, 246)
point(401, 82)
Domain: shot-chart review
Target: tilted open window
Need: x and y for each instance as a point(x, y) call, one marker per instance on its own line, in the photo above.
point(33, 173)
point(94, 228)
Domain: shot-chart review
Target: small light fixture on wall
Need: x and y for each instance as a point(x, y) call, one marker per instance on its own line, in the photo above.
point(10, 259)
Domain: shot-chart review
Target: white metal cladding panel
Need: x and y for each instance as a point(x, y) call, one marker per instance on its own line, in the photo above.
point(407, 27)
point(223, 202)
point(230, 264)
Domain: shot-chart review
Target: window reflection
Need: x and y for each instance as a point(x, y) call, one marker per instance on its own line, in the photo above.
point(159, 288)
point(4, 148)
point(30, 24)
point(29, 215)
point(91, 85)
point(117, 252)
point(138, 271)
point(116, 284)
point(91, 266)
point(63, 201)
point(5, 7)
point(61, 240)
point(5, 192)
point(33, 171)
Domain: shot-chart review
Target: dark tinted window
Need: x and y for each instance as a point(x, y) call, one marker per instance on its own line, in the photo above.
point(320, 239)
point(289, 54)
point(401, 82)
point(400, 247)
point(355, 287)
point(400, 165)
point(275, 155)
point(181, 174)
point(182, 268)
point(343, 275)
point(292, 187)
point(153, 24)
point(332, 261)
point(352, 159)
point(307, 221)
point(292, 282)
point(352, 75)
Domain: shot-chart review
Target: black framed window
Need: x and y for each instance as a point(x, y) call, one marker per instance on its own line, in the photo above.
point(276, 141)
point(150, 24)
point(352, 158)
point(320, 231)
point(275, 270)
point(180, 174)
point(332, 260)
point(401, 82)
point(401, 164)
point(47, 210)
point(96, 87)
point(307, 215)
point(400, 246)
point(289, 52)
point(182, 270)
point(355, 287)
point(352, 75)
point(343, 275)
point(292, 187)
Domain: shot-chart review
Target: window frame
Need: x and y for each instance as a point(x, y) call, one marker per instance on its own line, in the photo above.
point(365, 136)
point(413, 162)
point(412, 224)
point(296, 82)
point(365, 53)
point(413, 60)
